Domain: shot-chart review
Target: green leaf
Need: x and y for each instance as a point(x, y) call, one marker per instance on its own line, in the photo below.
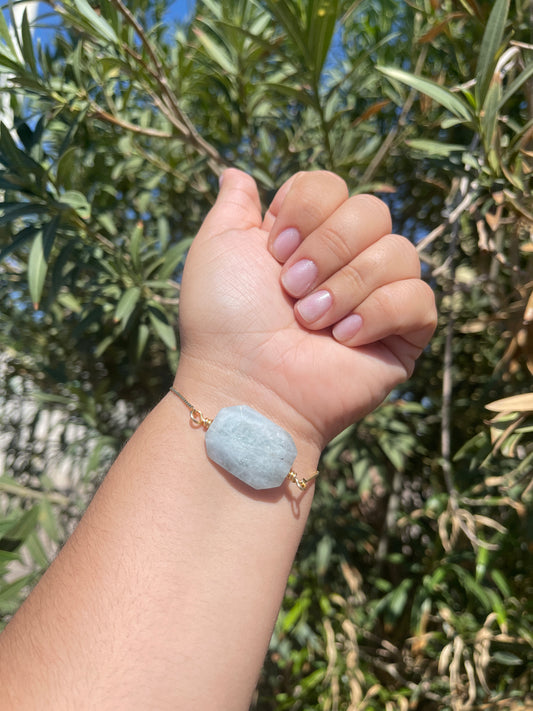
point(16, 535)
point(27, 44)
point(291, 21)
point(16, 159)
point(161, 326)
point(218, 53)
point(106, 221)
point(135, 244)
point(12, 211)
point(20, 240)
point(513, 87)
point(489, 114)
point(97, 22)
point(173, 257)
point(126, 304)
point(298, 609)
point(398, 598)
point(66, 167)
point(490, 46)
point(323, 555)
point(6, 36)
point(142, 338)
point(77, 202)
point(435, 148)
point(501, 582)
point(36, 549)
point(442, 96)
point(321, 21)
point(48, 520)
point(38, 259)
point(37, 268)
point(507, 659)
point(10, 594)
point(313, 679)
point(69, 301)
point(103, 346)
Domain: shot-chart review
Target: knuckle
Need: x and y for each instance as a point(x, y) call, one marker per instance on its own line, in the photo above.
point(377, 206)
point(337, 244)
point(355, 278)
point(325, 178)
point(404, 247)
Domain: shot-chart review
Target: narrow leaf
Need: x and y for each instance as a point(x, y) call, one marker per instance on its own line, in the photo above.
point(321, 20)
point(135, 244)
point(38, 260)
point(217, 53)
point(12, 211)
point(20, 240)
point(37, 267)
point(127, 303)
point(27, 43)
point(5, 35)
point(142, 338)
point(490, 45)
point(17, 534)
point(513, 87)
point(434, 148)
point(97, 22)
point(16, 159)
point(10, 594)
point(442, 96)
point(161, 326)
point(489, 115)
point(515, 403)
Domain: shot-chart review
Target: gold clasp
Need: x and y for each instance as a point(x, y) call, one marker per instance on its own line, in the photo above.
point(198, 419)
point(302, 483)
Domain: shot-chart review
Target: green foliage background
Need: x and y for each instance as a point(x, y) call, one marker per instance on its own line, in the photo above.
point(413, 586)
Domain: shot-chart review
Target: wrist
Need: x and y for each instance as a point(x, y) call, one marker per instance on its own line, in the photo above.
point(210, 386)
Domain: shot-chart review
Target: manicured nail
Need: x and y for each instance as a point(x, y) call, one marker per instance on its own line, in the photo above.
point(347, 328)
point(300, 277)
point(285, 244)
point(314, 306)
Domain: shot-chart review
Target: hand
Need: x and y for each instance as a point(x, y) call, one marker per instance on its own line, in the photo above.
point(312, 314)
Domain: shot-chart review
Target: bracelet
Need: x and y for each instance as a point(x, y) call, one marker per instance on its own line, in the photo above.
point(248, 445)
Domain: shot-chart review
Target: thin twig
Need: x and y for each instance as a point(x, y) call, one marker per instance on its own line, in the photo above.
point(447, 378)
point(26, 492)
point(174, 112)
point(99, 113)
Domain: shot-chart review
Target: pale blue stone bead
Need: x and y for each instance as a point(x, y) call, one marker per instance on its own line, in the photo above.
point(250, 446)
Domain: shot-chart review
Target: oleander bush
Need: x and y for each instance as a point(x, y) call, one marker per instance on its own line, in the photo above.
point(412, 588)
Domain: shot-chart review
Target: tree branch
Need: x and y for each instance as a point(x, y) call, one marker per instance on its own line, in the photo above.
point(170, 106)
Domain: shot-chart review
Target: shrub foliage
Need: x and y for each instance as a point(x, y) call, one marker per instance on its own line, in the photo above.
point(412, 588)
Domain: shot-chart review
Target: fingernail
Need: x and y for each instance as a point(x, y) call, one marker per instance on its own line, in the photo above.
point(300, 277)
point(347, 328)
point(285, 244)
point(314, 306)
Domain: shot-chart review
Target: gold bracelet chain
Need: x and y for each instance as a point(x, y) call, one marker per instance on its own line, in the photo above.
point(198, 420)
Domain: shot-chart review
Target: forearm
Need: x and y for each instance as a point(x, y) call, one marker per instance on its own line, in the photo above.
point(167, 593)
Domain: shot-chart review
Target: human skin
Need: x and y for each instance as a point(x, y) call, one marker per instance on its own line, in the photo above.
point(166, 594)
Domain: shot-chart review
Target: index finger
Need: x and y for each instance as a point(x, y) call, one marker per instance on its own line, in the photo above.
point(301, 205)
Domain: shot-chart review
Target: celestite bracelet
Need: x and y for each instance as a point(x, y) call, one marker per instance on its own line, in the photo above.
point(248, 445)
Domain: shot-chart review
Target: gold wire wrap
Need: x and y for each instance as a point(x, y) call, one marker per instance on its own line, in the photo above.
point(199, 420)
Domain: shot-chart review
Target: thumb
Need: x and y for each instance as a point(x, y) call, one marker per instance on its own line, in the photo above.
point(237, 206)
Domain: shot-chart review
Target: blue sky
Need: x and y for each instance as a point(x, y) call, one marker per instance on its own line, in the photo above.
point(180, 9)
